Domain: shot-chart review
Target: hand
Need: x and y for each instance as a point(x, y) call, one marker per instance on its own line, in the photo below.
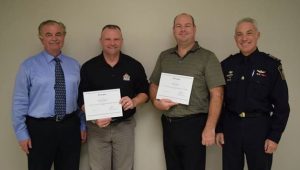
point(164, 104)
point(25, 145)
point(208, 136)
point(270, 146)
point(220, 139)
point(83, 135)
point(127, 103)
point(103, 122)
point(82, 108)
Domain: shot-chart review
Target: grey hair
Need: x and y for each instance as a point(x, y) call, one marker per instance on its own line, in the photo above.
point(51, 22)
point(247, 19)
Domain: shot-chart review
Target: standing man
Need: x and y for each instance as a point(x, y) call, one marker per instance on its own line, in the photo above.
point(256, 107)
point(188, 129)
point(111, 140)
point(44, 115)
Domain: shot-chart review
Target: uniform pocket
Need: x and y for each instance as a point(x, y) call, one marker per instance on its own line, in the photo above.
point(231, 88)
point(259, 87)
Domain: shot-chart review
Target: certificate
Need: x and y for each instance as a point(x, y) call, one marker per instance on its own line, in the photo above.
point(102, 104)
point(175, 87)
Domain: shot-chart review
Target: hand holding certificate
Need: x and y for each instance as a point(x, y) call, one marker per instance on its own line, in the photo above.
point(102, 104)
point(175, 87)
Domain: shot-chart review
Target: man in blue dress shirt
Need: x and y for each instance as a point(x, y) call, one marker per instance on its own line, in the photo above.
point(41, 135)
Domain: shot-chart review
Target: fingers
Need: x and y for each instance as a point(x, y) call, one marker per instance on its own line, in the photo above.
point(220, 139)
point(127, 103)
point(82, 108)
point(25, 145)
point(83, 136)
point(25, 149)
point(270, 146)
point(166, 104)
point(103, 122)
point(208, 139)
point(29, 144)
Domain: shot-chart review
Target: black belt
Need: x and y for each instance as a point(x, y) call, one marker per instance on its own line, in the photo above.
point(170, 119)
point(54, 118)
point(251, 114)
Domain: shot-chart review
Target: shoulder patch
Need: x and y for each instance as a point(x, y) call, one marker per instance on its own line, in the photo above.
point(281, 72)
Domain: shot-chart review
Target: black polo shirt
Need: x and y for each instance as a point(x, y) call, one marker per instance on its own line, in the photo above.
point(128, 75)
point(256, 84)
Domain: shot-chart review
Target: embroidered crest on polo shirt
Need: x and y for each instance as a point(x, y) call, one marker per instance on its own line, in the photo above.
point(126, 77)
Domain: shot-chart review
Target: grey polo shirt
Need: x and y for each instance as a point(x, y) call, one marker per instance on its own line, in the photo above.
point(199, 63)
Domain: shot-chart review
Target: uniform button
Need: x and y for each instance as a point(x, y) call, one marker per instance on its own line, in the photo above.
point(242, 78)
point(242, 114)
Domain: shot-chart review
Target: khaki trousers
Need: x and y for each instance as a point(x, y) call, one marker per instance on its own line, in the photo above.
point(112, 147)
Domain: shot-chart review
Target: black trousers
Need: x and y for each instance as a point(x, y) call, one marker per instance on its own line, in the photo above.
point(54, 142)
point(182, 143)
point(245, 137)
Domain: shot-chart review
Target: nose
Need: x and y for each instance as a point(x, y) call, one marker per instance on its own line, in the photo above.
point(243, 37)
point(54, 38)
point(112, 42)
point(182, 28)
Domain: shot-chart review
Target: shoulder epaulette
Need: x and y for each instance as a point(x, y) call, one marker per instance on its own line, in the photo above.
point(274, 58)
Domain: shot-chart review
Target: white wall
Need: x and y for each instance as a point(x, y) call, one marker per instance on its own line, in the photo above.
point(146, 26)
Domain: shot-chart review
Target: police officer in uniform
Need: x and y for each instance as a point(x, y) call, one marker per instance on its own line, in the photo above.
point(256, 108)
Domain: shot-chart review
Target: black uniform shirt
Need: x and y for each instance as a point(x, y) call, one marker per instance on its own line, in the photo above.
point(128, 75)
point(256, 84)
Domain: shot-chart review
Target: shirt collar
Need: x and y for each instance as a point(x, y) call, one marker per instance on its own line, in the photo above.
point(251, 58)
point(193, 49)
point(102, 59)
point(49, 58)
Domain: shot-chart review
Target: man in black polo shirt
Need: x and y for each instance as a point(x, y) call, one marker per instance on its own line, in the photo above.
point(111, 140)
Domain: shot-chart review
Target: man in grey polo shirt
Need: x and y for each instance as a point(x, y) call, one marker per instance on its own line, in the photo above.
point(188, 129)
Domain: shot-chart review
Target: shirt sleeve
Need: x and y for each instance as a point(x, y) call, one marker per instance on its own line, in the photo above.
point(20, 104)
point(81, 115)
point(279, 98)
point(141, 84)
point(155, 76)
point(83, 86)
point(213, 72)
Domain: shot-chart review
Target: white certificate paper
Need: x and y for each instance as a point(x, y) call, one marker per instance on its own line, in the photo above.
point(102, 104)
point(175, 87)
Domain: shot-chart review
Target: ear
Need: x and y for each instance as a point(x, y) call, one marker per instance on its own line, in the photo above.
point(258, 35)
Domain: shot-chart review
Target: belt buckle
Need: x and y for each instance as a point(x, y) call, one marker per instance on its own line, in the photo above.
point(242, 114)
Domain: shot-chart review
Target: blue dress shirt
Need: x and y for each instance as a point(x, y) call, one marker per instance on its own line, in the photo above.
point(34, 92)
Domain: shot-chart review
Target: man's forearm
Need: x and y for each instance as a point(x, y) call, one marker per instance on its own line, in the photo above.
point(139, 99)
point(216, 99)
